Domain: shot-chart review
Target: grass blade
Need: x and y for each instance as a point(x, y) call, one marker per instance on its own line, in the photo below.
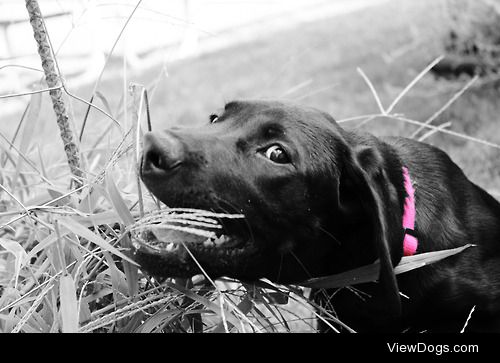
point(409, 263)
point(44, 243)
point(118, 203)
point(69, 306)
point(159, 320)
point(29, 127)
point(20, 256)
point(117, 278)
point(244, 306)
point(131, 271)
point(104, 101)
point(80, 230)
point(205, 302)
point(370, 273)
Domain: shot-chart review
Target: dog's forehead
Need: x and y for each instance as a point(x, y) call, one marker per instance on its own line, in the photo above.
point(277, 111)
point(308, 128)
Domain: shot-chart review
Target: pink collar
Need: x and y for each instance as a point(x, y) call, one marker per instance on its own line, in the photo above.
point(410, 241)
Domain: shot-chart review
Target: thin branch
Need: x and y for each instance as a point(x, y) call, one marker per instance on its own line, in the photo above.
point(30, 163)
point(433, 131)
point(360, 117)
point(446, 105)
point(21, 66)
point(31, 92)
point(372, 89)
point(14, 197)
point(49, 64)
point(412, 83)
point(445, 131)
point(422, 124)
point(468, 318)
point(90, 104)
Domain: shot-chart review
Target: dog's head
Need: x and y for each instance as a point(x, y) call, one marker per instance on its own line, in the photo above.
point(316, 199)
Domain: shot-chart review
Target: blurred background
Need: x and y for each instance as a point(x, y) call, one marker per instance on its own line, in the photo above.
point(193, 56)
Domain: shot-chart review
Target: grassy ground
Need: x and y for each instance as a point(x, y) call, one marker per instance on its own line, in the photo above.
point(314, 64)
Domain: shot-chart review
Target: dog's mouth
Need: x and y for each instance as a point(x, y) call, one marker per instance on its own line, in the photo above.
point(175, 249)
point(221, 245)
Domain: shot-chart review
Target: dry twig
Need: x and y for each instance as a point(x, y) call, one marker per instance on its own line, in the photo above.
point(54, 82)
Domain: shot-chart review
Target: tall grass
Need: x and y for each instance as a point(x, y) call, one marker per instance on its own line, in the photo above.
point(64, 254)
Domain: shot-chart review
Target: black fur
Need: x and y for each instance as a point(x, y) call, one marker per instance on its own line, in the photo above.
point(337, 206)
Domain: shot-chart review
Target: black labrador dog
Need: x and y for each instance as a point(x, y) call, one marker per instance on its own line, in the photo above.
point(319, 200)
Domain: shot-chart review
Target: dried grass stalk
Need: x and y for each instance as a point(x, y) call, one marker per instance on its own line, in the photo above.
point(54, 82)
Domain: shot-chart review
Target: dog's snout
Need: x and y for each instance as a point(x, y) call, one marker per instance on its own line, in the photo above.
point(161, 154)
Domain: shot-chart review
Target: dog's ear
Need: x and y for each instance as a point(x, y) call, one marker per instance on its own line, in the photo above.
point(363, 170)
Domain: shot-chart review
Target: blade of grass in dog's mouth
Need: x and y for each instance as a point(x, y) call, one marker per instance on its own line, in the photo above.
point(164, 229)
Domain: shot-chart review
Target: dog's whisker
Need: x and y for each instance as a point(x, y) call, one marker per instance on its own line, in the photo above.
point(236, 210)
point(301, 264)
point(226, 202)
point(280, 267)
point(330, 235)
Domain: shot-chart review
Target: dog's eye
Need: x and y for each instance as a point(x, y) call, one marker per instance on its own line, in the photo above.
point(276, 154)
point(213, 118)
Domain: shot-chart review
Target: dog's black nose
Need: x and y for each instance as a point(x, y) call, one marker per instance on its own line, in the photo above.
point(161, 155)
